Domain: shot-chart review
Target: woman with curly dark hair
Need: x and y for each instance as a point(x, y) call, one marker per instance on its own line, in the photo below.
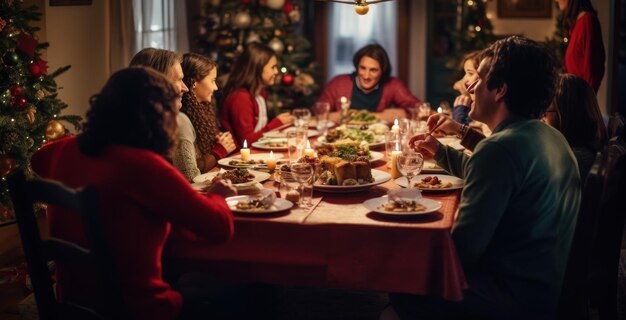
point(128, 134)
point(203, 128)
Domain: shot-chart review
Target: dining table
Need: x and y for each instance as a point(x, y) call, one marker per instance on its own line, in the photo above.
point(335, 243)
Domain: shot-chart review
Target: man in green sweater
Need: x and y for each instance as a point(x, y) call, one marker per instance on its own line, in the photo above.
point(521, 197)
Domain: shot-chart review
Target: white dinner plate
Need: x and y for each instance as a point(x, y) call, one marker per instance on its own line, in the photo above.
point(376, 156)
point(379, 142)
point(259, 176)
point(278, 206)
point(431, 166)
point(264, 144)
point(457, 183)
point(453, 142)
point(283, 134)
point(224, 162)
point(378, 175)
point(376, 204)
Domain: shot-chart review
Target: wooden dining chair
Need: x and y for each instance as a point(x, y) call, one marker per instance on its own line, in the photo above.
point(574, 301)
point(607, 246)
point(24, 194)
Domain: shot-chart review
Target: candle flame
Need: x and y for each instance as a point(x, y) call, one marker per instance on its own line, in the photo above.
point(397, 146)
point(245, 144)
point(439, 110)
point(395, 122)
point(271, 154)
point(308, 144)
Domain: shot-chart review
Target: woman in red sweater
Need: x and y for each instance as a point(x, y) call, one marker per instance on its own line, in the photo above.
point(129, 133)
point(244, 109)
point(585, 51)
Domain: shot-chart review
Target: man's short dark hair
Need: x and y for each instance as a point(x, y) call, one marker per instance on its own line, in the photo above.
point(378, 53)
point(529, 71)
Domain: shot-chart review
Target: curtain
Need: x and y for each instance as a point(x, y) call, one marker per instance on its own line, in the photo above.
point(350, 31)
point(121, 41)
point(160, 24)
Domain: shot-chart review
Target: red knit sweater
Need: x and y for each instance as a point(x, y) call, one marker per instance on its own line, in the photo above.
point(585, 52)
point(239, 115)
point(395, 93)
point(141, 196)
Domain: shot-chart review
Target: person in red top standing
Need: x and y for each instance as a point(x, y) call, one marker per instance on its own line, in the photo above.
point(243, 107)
point(585, 52)
point(122, 152)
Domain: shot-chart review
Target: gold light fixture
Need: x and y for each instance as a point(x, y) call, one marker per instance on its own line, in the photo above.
point(361, 7)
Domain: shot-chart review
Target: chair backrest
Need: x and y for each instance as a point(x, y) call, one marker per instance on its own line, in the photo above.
point(610, 232)
point(615, 128)
point(575, 289)
point(84, 203)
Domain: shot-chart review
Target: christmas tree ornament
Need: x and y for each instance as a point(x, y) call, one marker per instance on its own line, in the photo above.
point(242, 20)
point(246, 1)
point(290, 48)
point(3, 23)
point(43, 66)
point(225, 40)
point(6, 165)
point(267, 23)
point(215, 3)
point(275, 4)
point(361, 8)
point(34, 70)
point(253, 37)
point(294, 16)
point(30, 114)
point(54, 130)
point(16, 90)
point(287, 79)
point(277, 45)
point(30, 142)
point(19, 102)
point(40, 94)
point(288, 7)
point(27, 44)
point(277, 33)
point(10, 58)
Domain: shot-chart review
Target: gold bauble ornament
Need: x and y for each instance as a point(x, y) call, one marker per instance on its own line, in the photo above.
point(275, 4)
point(54, 130)
point(242, 20)
point(30, 114)
point(362, 8)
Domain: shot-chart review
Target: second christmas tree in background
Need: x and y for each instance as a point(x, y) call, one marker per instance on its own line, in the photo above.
point(231, 24)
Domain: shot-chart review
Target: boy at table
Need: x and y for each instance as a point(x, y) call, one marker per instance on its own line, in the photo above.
point(371, 87)
point(522, 193)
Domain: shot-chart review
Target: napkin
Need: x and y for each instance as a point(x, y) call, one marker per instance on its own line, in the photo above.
point(407, 194)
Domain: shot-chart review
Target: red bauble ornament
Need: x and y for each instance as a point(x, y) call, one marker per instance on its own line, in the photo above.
point(6, 165)
point(27, 44)
point(16, 90)
point(34, 69)
point(288, 7)
point(287, 79)
point(18, 102)
point(246, 1)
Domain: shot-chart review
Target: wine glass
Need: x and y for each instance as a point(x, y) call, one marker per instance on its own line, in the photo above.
point(410, 164)
point(303, 173)
point(301, 117)
point(321, 110)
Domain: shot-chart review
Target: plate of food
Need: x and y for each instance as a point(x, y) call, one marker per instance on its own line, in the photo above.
point(283, 134)
point(402, 207)
point(343, 135)
point(452, 142)
point(377, 177)
point(432, 183)
point(276, 144)
point(252, 205)
point(257, 161)
point(359, 117)
point(240, 177)
point(431, 166)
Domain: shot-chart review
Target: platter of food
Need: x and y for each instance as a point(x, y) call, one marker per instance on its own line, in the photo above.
point(252, 205)
point(239, 177)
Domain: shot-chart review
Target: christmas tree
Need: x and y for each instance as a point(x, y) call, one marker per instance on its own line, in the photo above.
point(475, 31)
point(29, 106)
point(231, 24)
point(558, 42)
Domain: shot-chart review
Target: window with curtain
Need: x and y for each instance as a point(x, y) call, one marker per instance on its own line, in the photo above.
point(350, 31)
point(160, 24)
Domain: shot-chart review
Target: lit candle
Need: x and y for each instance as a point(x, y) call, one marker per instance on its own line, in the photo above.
point(309, 151)
point(439, 110)
point(271, 162)
point(396, 127)
point(395, 173)
point(245, 152)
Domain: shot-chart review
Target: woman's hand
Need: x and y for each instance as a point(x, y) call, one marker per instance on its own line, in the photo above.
point(221, 187)
point(285, 118)
point(425, 144)
point(446, 124)
point(227, 141)
point(463, 100)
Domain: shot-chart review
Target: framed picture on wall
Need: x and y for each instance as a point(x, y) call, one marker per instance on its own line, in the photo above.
point(525, 8)
point(70, 2)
